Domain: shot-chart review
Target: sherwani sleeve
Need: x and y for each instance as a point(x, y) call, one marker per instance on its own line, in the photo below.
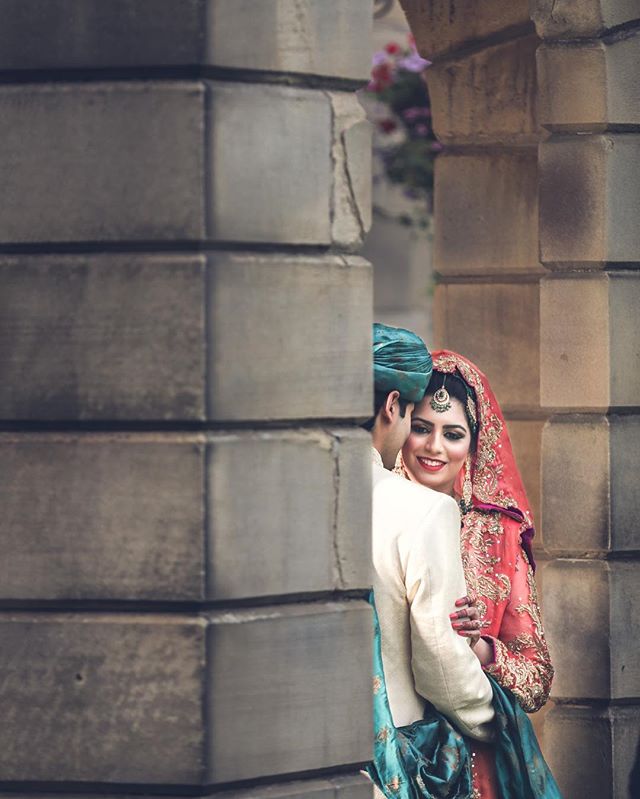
point(521, 657)
point(445, 670)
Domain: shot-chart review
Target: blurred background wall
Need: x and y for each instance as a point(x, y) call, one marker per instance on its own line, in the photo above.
point(401, 253)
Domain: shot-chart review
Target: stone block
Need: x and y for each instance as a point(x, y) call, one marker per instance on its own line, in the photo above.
point(270, 152)
point(571, 19)
point(493, 238)
point(305, 323)
point(496, 325)
point(351, 154)
point(625, 629)
point(286, 513)
point(624, 445)
point(486, 96)
point(140, 143)
point(314, 36)
point(302, 701)
point(575, 481)
point(346, 786)
point(592, 459)
point(102, 337)
point(146, 686)
point(526, 438)
point(589, 349)
point(101, 517)
point(123, 337)
point(113, 698)
point(182, 161)
point(183, 517)
point(589, 87)
point(591, 750)
point(446, 25)
point(583, 599)
point(309, 149)
point(352, 476)
point(90, 34)
point(589, 200)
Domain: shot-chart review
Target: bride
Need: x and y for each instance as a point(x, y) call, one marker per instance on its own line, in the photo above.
point(459, 445)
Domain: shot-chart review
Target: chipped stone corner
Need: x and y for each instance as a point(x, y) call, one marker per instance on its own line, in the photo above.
point(351, 156)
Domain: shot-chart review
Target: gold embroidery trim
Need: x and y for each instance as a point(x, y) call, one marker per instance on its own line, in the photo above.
point(522, 663)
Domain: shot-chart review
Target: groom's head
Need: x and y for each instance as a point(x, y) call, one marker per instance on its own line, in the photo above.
point(401, 371)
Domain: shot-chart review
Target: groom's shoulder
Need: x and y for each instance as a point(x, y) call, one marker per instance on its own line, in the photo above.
point(390, 490)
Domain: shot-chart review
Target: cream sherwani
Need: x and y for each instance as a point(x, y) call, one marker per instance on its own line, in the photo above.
point(417, 578)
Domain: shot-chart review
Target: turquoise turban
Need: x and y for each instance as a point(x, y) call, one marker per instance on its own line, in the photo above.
point(401, 362)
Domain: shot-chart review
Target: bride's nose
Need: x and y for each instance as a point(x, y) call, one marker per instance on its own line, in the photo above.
point(434, 442)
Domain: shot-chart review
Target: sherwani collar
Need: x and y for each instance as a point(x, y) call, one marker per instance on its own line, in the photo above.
point(376, 457)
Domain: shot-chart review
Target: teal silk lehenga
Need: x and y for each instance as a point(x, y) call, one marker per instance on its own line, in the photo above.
point(430, 759)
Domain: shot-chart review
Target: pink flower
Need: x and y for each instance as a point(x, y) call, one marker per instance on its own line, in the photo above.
point(392, 48)
point(381, 76)
point(413, 63)
point(387, 125)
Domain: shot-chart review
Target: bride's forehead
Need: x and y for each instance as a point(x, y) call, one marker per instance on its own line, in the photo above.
point(455, 413)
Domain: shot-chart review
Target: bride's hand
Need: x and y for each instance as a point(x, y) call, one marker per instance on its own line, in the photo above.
point(466, 620)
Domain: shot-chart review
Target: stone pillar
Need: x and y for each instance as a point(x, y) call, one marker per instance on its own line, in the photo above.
point(590, 354)
point(184, 356)
point(482, 86)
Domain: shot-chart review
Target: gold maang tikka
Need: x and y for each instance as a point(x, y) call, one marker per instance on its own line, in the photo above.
point(441, 401)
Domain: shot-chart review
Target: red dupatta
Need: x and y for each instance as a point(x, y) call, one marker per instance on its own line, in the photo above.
point(495, 545)
point(495, 479)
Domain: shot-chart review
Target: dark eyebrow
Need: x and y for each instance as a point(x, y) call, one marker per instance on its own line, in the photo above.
point(446, 426)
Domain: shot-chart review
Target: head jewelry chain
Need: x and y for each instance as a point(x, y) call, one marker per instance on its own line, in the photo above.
point(441, 401)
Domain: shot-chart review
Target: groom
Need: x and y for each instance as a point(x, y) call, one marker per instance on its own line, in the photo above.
point(416, 558)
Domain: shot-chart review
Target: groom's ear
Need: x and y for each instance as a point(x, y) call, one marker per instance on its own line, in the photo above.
point(391, 407)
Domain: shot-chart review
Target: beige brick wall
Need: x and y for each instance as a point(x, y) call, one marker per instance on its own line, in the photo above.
point(564, 344)
point(589, 334)
point(483, 89)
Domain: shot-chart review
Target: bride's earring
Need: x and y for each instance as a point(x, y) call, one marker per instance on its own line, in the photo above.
point(467, 488)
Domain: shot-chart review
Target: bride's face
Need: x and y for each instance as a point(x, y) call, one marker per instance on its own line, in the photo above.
point(438, 444)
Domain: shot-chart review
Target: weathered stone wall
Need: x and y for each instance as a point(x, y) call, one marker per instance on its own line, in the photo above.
point(590, 355)
point(549, 308)
point(184, 355)
point(483, 93)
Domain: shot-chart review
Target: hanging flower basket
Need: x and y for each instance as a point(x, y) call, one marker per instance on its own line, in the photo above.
point(401, 113)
